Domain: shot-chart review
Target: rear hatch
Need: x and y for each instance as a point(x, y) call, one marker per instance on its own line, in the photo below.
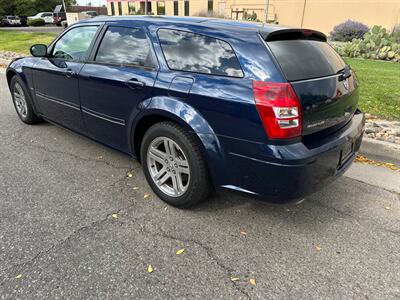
point(325, 85)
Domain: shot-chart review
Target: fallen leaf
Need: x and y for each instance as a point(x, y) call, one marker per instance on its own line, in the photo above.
point(135, 188)
point(235, 279)
point(166, 208)
point(243, 232)
point(129, 174)
point(180, 251)
point(146, 196)
point(114, 216)
point(18, 276)
point(387, 207)
point(252, 281)
point(318, 248)
point(365, 160)
point(150, 269)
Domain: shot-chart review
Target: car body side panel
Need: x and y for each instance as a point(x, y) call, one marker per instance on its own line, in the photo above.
point(23, 68)
point(187, 116)
point(107, 101)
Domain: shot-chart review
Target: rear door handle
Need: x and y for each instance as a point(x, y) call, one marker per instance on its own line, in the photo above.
point(69, 73)
point(135, 84)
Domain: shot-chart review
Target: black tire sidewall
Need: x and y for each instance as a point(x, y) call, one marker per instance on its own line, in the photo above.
point(189, 198)
point(30, 115)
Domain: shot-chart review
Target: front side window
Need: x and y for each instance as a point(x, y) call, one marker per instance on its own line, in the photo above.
point(125, 47)
point(185, 51)
point(75, 43)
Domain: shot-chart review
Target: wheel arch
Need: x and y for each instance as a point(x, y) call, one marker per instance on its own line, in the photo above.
point(10, 74)
point(167, 109)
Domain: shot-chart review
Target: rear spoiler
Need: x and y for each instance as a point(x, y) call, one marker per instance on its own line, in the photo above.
point(292, 34)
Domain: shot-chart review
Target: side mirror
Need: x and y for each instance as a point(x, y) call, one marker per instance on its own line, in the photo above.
point(38, 50)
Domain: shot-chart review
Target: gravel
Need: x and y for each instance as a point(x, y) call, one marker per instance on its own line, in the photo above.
point(383, 130)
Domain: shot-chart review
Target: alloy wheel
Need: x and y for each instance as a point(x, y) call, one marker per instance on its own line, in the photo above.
point(168, 166)
point(20, 100)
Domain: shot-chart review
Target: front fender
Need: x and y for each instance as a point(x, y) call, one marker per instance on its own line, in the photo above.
point(189, 118)
point(22, 68)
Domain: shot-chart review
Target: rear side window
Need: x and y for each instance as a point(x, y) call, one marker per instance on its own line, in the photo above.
point(305, 59)
point(124, 46)
point(185, 51)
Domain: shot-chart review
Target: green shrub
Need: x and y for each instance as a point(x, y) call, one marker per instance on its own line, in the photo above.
point(376, 44)
point(349, 30)
point(396, 33)
point(36, 22)
point(209, 14)
point(252, 17)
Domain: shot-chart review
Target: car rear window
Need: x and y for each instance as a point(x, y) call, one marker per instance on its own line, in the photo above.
point(305, 59)
point(186, 51)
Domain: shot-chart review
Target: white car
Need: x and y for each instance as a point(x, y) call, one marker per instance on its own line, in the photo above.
point(46, 16)
point(12, 20)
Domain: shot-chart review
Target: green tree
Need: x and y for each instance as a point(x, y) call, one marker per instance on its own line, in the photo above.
point(30, 7)
point(7, 7)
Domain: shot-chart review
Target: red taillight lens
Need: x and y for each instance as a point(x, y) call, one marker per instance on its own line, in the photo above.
point(279, 109)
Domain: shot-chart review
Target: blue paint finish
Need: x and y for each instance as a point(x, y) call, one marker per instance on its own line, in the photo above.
point(180, 86)
point(107, 102)
point(107, 94)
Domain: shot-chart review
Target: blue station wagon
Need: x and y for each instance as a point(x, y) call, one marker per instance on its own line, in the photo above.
point(204, 104)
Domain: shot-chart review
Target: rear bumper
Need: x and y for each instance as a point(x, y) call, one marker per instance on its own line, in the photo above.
point(282, 173)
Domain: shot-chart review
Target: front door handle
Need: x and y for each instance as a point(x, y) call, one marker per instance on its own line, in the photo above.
point(69, 73)
point(135, 84)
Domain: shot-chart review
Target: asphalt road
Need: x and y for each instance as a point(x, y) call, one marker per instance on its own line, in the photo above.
point(59, 239)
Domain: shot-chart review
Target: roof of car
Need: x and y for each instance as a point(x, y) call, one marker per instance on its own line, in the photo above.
point(209, 22)
point(267, 31)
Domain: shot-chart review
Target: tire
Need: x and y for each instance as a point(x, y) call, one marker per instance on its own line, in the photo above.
point(22, 101)
point(167, 141)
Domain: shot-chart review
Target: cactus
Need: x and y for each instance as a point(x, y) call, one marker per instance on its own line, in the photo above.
point(376, 44)
point(391, 54)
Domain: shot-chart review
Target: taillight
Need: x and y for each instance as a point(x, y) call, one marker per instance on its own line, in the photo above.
point(279, 109)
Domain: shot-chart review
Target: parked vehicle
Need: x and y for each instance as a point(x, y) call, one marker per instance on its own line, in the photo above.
point(91, 13)
point(267, 111)
point(58, 18)
point(11, 21)
point(23, 20)
point(46, 16)
point(74, 17)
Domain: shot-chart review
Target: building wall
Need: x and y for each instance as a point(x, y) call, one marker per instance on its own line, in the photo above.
point(322, 15)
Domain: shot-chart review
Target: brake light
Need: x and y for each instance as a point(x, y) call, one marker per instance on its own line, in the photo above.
point(279, 109)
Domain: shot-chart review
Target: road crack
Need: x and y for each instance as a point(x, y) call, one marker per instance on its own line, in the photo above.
point(74, 233)
point(208, 250)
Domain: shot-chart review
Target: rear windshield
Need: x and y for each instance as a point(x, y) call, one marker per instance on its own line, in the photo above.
point(305, 59)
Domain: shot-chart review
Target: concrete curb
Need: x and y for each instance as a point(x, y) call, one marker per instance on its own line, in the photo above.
point(380, 150)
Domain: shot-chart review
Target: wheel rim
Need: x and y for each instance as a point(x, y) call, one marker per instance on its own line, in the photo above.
point(168, 166)
point(20, 100)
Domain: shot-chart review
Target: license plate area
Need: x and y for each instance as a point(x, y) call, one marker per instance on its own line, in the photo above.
point(346, 152)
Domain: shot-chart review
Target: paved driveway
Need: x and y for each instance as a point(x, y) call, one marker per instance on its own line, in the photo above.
point(73, 225)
